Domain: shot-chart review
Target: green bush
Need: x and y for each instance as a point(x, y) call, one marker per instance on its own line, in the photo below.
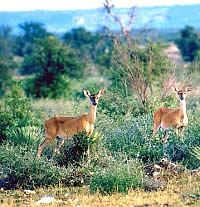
point(15, 110)
point(170, 101)
point(54, 64)
point(117, 178)
point(196, 152)
point(80, 148)
point(28, 135)
point(188, 43)
point(132, 136)
point(21, 168)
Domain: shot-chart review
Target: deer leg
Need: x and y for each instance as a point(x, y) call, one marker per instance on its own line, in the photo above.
point(176, 131)
point(181, 133)
point(165, 136)
point(42, 145)
point(155, 130)
point(60, 142)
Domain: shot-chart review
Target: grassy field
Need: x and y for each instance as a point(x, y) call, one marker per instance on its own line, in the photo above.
point(113, 172)
point(180, 192)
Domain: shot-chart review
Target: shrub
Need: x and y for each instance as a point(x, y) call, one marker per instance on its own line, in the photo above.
point(80, 147)
point(196, 152)
point(21, 168)
point(117, 178)
point(27, 136)
point(132, 136)
point(15, 110)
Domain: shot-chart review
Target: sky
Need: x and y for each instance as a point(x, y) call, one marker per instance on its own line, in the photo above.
point(28, 5)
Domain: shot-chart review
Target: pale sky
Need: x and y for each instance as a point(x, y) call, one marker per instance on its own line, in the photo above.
point(27, 5)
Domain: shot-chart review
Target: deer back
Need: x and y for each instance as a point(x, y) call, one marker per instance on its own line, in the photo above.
point(66, 126)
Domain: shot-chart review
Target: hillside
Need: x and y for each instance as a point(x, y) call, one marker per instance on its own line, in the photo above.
point(162, 17)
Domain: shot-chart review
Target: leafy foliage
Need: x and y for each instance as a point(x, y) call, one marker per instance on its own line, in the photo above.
point(111, 159)
point(15, 111)
point(7, 63)
point(90, 46)
point(196, 152)
point(31, 32)
point(189, 43)
point(27, 136)
point(117, 178)
point(138, 68)
point(54, 63)
point(22, 169)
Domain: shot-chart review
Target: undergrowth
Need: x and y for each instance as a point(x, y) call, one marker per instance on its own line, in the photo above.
point(107, 161)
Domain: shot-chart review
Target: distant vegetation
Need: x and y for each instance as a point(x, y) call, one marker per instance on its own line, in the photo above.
point(43, 75)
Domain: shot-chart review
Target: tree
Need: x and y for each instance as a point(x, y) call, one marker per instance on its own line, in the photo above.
point(7, 63)
point(90, 46)
point(188, 43)
point(31, 32)
point(138, 68)
point(82, 41)
point(125, 28)
point(54, 64)
point(6, 42)
point(134, 66)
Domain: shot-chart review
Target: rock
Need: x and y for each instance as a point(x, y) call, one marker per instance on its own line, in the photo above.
point(153, 184)
point(67, 194)
point(196, 172)
point(76, 200)
point(47, 199)
point(157, 167)
point(156, 174)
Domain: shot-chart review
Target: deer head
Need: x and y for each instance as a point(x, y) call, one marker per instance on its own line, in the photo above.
point(182, 93)
point(94, 98)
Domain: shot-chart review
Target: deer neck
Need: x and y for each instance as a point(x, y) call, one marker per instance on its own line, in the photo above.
point(92, 114)
point(183, 108)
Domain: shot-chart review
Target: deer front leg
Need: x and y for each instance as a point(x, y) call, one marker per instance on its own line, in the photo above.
point(166, 135)
point(46, 141)
point(176, 131)
point(181, 129)
point(155, 130)
point(89, 130)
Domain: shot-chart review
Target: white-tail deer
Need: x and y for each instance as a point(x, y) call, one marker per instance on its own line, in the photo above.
point(172, 118)
point(65, 127)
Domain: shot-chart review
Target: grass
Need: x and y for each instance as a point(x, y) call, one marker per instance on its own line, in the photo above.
point(183, 192)
point(114, 147)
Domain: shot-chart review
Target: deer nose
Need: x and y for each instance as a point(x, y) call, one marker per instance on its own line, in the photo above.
point(94, 103)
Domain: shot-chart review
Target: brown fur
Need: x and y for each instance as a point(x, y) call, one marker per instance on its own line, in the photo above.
point(172, 118)
point(66, 127)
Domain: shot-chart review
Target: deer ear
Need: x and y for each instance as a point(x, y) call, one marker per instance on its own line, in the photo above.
point(188, 88)
point(101, 92)
point(86, 93)
point(175, 88)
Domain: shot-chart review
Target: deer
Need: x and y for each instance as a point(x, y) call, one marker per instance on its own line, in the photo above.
point(172, 118)
point(60, 127)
